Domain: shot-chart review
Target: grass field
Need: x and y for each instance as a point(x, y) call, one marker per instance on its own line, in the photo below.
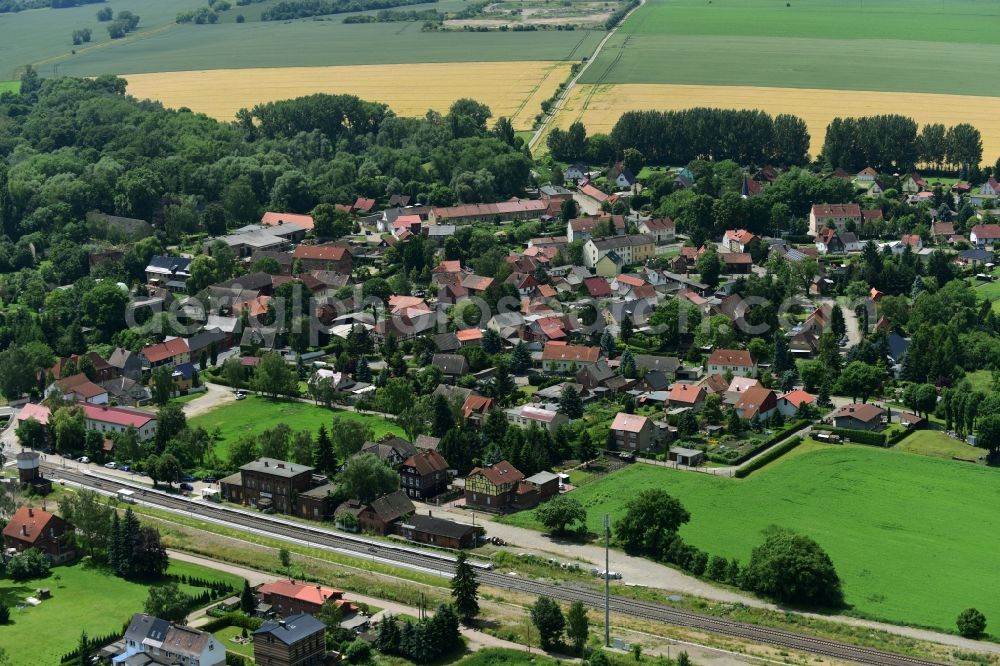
point(512, 89)
point(981, 380)
point(937, 444)
point(84, 598)
point(225, 635)
point(256, 414)
point(906, 539)
point(600, 106)
point(11, 86)
point(316, 43)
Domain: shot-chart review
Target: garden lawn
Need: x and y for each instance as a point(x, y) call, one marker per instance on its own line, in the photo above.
point(224, 636)
point(9, 86)
point(937, 444)
point(256, 414)
point(907, 540)
point(84, 598)
point(981, 380)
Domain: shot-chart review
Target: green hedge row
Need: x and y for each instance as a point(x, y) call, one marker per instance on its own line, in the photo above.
point(773, 439)
point(233, 619)
point(860, 436)
point(768, 457)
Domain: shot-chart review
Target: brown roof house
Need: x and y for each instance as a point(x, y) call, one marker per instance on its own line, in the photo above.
point(381, 515)
point(757, 402)
point(565, 358)
point(736, 361)
point(424, 474)
point(860, 416)
point(298, 640)
point(492, 488)
point(37, 528)
point(632, 432)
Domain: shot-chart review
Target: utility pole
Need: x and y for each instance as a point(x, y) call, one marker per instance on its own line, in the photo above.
point(607, 582)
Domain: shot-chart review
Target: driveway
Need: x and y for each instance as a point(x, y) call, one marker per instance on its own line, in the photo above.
point(214, 396)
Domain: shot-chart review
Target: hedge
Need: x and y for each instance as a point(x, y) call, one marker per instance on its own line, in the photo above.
point(232, 619)
point(770, 456)
point(773, 439)
point(860, 436)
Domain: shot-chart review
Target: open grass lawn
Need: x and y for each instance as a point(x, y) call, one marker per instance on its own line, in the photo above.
point(939, 445)
point(225, 637)
point(256, 414)
point(914, 538)
point(981, 380)
point(9, 86)
point(84, 597)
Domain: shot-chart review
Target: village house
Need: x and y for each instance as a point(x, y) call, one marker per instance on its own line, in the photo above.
point(583, 228)
point(116, 420)
point(298, 640)
point(608, 256)
point(381, 515)
point(331, 257)
point(662, 229)
point(424, 475)
point(36, 528)
point(168, 353)
point(504, 211)
point(287, 597)
point(790, 403)
point(492, 488)
point(844, 217)
point(691, 396)
point(914, 183)
point(151, 641)
point(635, 433)
point(170, 273)
point(524, 416)
point(860, 416)
point(267, 483)
point(568, 358)
point(78, 388)
point(621, 176)
point(438, 532)
point(737, 240)
point(982, 235)
point(738, 362)
point(390, 450)
point(756, 403)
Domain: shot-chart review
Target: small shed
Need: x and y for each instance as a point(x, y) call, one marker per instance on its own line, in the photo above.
point(546, 482)
point(688, 457)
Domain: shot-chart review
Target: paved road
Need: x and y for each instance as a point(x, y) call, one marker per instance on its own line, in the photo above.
point(561, 100)
point(851, 321)
point(214, 396)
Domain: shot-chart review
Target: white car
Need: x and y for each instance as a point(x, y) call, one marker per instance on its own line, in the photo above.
point(83, 459)
point(111, 465)
point(240, 396)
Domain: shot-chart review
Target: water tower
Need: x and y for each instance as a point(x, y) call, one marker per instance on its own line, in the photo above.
point(29, 472)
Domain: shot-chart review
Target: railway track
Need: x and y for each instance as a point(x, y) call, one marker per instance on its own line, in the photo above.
point(442, 564)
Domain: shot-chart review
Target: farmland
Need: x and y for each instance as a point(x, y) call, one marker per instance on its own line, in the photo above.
point(600, 106)
point(512, 89)
point(883, 515)
point(84, 597)
point(256, 414)
point(938, 444)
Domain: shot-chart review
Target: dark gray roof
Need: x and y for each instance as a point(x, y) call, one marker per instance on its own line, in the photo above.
point(612, 242)
point(145, 626)
point(897, 346)
point(446, 342)
point(386, 447)
point(276, 467)
point(439, 526)
point(393, 506)
point(451, 364)
point(656, 380)
point(283, 258)
point(666, 364)
point(976, 254)
point(319, 492)
point(292, 629)
point(171, 264)
point(253, 281)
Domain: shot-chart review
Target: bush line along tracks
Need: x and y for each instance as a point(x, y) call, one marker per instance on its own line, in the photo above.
point(441, 564)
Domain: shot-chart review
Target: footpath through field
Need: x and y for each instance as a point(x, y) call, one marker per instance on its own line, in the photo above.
point(554, 111)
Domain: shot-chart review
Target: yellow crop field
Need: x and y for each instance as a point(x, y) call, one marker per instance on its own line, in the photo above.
point(512, 89)
point(600, 105)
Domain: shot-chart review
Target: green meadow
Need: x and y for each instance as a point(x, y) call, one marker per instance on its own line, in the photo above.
point(935, 45)
point(256, 414)
point(914, 538)
point(85, 597)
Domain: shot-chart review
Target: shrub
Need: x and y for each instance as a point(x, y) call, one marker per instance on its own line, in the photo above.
point(971, 623)
point(768, 457)
point(27, 565)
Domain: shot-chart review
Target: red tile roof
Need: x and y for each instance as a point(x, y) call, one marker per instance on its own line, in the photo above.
point(515, 206)
point(553, 352)
point(755, 400)
point(476, 404)
point(798, 397)
point(500, 473)
point(165, 350)
point(454, 266)
point(734, 357)
point(477, 282)
point(80, 385)
point(363, 205)
point(273, 219)
point(991, 231)
point(824, 211)
point(468, 334)
point(686, 393)
point(659, 224)
point(27, 524)
point(117, 415)
point(862, 412)
point(320, 252)
point(35, 411)
point(629, 422)
point(290, 589)
point(597, 287)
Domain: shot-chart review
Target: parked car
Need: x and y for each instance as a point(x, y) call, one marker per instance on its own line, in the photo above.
point(83, 459)
point(187, 486)
point(125, 468)
point(187, 477)
point(111, 465)
point(240, 396)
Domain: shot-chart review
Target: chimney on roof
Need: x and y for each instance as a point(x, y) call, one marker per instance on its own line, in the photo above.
point(24, 530)
point(265, 464)
point(31, 512)
point(282, 624)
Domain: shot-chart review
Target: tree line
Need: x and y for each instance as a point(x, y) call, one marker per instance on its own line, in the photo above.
point(746, 136)
point(293, 9)
point(892, 143)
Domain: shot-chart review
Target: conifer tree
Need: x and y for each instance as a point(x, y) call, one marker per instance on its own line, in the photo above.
point(465, 589)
